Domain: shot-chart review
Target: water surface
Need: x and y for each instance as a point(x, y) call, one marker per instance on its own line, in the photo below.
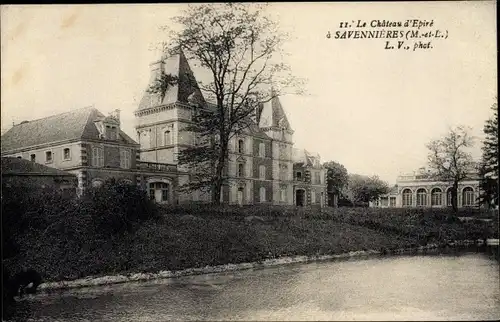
point(438, 287)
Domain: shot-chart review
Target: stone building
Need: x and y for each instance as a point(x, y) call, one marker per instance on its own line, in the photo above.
point(309, 178)
point(418, 189)
point(261, 165)
point(92, 146)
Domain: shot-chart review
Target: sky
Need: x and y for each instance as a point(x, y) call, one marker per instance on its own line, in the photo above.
point(367, 107)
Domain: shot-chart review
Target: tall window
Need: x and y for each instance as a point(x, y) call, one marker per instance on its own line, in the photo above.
point(468, 197)
point(407, 198)
point(167, 137)
point(262, 172)
point(97, 156)
point(241, 170)
point(313, 196)
point(421, 197)
point(262, 193)
point(33, 157)
point(241, 146)
point(392, 202)
point(384, 201)
point(299, 175)
point(262, 150)
point(125, 159)
point(164, 191)
point(48, 156)
point(317, 178)
point(145, 140)
point(283, 194)
point(436, 197)
point(67, 154)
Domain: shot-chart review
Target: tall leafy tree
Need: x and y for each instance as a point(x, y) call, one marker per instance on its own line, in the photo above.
point(489, 162)
point(337, 176)
point(337, 179)
point(364, 189)
point(449, 160)
point(240, 48)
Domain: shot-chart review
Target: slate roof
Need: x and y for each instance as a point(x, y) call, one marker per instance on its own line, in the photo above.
point(303, 156)
point(273, 115)
point(184, 91)
point(74, 125)
point(16, 166)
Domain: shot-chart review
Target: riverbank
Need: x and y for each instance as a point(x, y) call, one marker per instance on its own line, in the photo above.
point(137, 277)
point(194, 240)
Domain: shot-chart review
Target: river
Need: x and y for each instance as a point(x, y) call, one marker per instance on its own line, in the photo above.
point(462, 286)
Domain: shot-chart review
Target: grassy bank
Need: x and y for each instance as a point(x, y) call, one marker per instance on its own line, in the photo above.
point(99, 237)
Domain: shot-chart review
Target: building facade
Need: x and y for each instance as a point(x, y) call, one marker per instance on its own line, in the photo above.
point(261, 166)
point(418, 189)
point(88, 144)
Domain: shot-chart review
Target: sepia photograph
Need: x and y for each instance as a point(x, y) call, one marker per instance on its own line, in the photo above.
point(279, 161)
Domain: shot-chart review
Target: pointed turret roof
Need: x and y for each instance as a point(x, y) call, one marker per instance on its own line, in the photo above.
point(273, 114)
point(184, 91)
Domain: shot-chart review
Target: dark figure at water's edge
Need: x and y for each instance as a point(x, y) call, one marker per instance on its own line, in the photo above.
point(23, 282)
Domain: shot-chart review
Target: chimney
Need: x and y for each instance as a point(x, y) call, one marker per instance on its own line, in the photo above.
point(117, 114)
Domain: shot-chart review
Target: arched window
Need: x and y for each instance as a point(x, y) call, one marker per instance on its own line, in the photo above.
point(262, 193)
point(448, 197)
point(407, 198)
point(436, 197)
point(241, 146)
point(468, 197)
point(421, 197)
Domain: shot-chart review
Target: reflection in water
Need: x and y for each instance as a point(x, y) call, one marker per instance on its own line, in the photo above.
point(391, 288)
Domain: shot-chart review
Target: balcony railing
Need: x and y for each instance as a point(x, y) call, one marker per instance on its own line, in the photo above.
point(154, 166)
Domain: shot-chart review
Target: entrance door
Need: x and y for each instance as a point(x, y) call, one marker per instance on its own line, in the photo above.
point(240, 196)
point(299, 197)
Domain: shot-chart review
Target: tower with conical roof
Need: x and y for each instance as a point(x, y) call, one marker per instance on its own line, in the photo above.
point(162, 115)
point(274, 123)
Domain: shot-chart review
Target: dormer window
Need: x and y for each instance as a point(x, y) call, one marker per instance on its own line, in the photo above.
point(108, 127)
point(111, 132)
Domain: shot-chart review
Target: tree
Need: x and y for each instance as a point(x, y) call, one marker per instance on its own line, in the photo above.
point(336, 175)
point(489, 162)
point(449, 161)
point(337, 179)
point(238, 46)
point(365, 189)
